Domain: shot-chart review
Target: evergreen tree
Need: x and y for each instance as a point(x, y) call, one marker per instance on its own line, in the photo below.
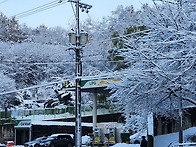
point(10, 30)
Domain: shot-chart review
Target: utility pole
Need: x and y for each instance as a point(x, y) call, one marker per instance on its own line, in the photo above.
point(78, 39)
point(179, 2)
point(180, 123)
point(78, 126)
point(180, 117)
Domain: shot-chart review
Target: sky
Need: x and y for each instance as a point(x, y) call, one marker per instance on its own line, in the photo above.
point(62, 15)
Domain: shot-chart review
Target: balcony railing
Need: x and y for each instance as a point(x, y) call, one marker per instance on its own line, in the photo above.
point(48, 113)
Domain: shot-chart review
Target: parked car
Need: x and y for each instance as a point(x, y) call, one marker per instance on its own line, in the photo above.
point(10, 143)
point(35, 142)
point(137, 137)
point(58, 140)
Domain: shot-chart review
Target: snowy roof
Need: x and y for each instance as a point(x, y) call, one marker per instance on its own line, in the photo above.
point(52, 123)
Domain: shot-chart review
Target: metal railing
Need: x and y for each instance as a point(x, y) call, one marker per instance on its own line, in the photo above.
point(47, 113)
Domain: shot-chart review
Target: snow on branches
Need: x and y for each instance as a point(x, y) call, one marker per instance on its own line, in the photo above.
point(161, 62)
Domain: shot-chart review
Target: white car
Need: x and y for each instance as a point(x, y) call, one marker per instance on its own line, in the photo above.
point(137, 137)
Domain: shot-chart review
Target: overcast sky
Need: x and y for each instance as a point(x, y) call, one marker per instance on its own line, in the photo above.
point(62, 15)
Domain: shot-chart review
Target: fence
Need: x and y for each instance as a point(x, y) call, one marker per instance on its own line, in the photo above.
point(37, 114)
point(47, 113)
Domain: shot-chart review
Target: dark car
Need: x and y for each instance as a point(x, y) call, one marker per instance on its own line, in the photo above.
point(58, 140)
point(35, 142)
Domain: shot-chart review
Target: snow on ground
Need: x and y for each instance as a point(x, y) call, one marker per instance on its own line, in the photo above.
point(171, 139)
point(167, 140)
point(2, 145)
point(125, 145)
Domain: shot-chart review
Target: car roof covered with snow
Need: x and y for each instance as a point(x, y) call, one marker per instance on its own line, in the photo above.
point(58, 134)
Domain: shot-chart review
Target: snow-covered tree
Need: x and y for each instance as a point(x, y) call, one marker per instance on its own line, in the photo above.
point(30, 63)
point(114, 53)
point(6, 100)
point(45, 35)
point(100, 33)
point(161, 63)
point(10, 30)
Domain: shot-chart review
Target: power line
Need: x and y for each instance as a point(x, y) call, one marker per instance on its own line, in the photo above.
point(52, 83)
point(36, 63)
point(33, 87)
point(101, 41)
point(22, 13)
point(3, 1)
point(97, 60)
point(119, 37)
point(73, 10)
point(39, 9)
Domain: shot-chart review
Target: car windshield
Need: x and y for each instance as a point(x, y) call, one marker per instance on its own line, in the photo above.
point(51, 137)
point(40, 138)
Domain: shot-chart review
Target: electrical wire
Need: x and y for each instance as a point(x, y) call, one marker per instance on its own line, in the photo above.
point(31, 10)
point(48, 6)
point(73, 9)
point(36, 63)
point(97, 60)
point(119, 37)
point(3, 1)
point(53, 83)
point(33, 87)
point(39, 9)
point(94, 43)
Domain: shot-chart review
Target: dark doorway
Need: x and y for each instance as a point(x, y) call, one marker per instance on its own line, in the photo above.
point(22, 136)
